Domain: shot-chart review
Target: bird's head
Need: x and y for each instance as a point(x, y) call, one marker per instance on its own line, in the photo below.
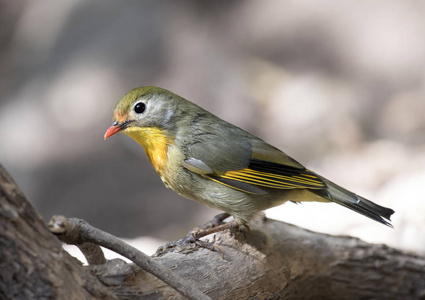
point(150, 116)
point(145, 109)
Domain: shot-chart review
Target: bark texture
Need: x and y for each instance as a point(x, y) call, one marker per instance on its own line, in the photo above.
point(281, 261)
point(274, 261)
point(33, 264)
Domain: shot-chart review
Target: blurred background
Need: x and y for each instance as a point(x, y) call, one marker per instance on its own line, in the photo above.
point(338, 85)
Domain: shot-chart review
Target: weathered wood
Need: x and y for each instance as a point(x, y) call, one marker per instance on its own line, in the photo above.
point(33, 264)
point(274, 261)
point(79, 232)
point(281, 261)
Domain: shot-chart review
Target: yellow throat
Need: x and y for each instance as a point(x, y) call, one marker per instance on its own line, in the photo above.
point(154, 141)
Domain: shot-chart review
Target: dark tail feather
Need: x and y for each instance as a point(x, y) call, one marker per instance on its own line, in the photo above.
point(354, 202)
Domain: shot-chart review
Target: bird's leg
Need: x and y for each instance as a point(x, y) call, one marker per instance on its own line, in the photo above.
point(193, 237)
point(207, 231)
point(215, 222)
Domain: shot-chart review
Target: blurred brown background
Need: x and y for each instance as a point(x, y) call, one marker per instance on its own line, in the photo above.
point(338, 85)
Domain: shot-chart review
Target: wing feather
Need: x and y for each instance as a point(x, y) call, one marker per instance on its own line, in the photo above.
point(236, 159)
point(276, 176)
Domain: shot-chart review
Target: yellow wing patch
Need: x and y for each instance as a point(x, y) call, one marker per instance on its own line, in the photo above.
point(277, 181)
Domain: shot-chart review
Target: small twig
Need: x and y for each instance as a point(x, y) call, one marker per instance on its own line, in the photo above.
point(76, 231)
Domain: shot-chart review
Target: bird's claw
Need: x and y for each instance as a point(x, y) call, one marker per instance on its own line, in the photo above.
point(187, 244)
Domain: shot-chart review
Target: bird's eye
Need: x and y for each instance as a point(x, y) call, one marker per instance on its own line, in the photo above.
point(140, 107)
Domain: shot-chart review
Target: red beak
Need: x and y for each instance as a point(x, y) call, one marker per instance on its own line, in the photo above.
point(113, 129)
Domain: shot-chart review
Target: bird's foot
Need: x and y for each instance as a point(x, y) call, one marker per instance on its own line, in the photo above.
point(190, 242)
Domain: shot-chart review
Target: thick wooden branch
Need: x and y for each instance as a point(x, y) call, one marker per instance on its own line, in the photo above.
point(274, 261)
point(281, 261)
point(33, 264)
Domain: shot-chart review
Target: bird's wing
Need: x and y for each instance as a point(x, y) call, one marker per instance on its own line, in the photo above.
point(250, 165)
point(220, 154)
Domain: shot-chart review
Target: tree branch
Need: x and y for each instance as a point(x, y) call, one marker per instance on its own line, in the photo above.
point(276, 260)
point(33, 264)
point(281, 261)
point(76, 232)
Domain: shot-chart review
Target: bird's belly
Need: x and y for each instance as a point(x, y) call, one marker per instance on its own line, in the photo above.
point(242, 206)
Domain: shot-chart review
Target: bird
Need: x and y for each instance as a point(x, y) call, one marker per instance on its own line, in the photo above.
point(206, 159)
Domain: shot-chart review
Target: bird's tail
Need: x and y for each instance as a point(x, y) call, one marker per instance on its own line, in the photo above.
point(354, 202)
